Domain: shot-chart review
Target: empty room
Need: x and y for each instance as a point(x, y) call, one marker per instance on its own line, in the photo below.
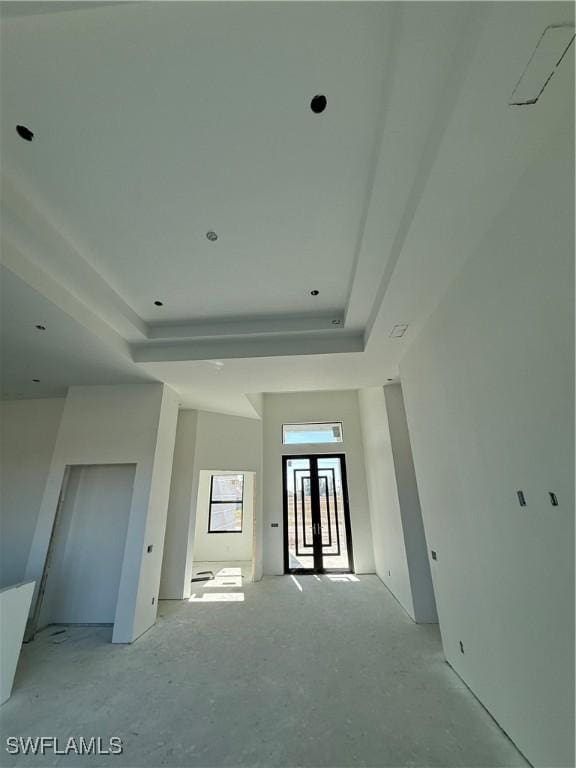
point(287, 384)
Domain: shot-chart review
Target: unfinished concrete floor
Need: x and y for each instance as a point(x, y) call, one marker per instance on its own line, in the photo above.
point(304, 671)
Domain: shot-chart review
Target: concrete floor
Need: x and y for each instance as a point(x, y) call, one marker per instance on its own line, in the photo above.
point(304, 671)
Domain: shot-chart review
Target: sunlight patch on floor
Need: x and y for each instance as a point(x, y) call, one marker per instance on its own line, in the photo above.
point(217, 597)
point(342, 577)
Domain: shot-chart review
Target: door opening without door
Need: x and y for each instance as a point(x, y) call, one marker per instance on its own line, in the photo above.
point(317, 536)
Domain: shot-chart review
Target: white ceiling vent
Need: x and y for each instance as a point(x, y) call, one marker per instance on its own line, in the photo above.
point(545, 59)
point(398, 331)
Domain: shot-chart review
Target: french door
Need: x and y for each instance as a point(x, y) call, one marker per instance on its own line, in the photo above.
point(317, 537)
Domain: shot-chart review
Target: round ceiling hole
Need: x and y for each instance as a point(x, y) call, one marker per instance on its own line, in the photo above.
point(158, 303)
point(314, 292)
point(318, 104)
point(24, 132)
point(336, 322)
point(40, 327)
point(212, 236)
point(36, 381)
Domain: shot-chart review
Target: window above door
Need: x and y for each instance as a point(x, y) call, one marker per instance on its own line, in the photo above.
point(312, 433)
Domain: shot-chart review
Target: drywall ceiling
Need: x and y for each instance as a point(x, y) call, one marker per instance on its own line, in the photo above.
point(157, 122)
point(62, 355)
point(12, 8)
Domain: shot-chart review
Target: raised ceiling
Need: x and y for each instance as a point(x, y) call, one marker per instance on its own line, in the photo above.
point(155, 123)
point(159, 122)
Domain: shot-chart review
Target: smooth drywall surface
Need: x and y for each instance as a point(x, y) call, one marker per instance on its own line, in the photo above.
point(179, 508)
point(223, 547)
point(296, 407)
point(129, 424)
point(231, 443)
point(412, 525)
point(88, 546)
point(14, 607)
point(388, 535)
point(28, 430)
point(489, 392)
point(149, 558)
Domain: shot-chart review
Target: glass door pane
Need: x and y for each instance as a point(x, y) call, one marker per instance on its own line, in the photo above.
point(298, 500)
point(333, 514)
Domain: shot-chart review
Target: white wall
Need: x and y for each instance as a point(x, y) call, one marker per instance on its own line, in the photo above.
point(388, 534)
point(223, 547)
point(489, 393)
point(14, 607)
point(412, 525)
point(28, 430)
point(150, 564)
point(172, 583)
point(314, 406)
point(88, 546)
point(119, 425)
point(228, 442)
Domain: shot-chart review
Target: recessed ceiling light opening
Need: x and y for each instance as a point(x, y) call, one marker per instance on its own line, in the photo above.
point(158, 303)
point(40, 327)
point(318, 104)
point(336, 322)
point(36, 381)
point(24, 132)
point(398, 330)
point(314, 292)
point(212, 236)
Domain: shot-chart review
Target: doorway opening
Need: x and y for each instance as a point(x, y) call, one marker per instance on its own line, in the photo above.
point(317, 533)
point(81, 577)
point(223, 550)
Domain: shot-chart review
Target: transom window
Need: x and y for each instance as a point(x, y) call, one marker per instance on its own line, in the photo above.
point(226, 503)
point(315, 432)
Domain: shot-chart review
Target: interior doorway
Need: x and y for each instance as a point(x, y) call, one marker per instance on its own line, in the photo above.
point(223, 547)
point(83, 566)
point(317, 534)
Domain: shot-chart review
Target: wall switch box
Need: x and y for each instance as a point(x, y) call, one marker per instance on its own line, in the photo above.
point(521, 498)
point(434, 555)
point(553, 499)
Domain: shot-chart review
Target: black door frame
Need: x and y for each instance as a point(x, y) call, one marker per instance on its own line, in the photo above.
point(315, 504)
